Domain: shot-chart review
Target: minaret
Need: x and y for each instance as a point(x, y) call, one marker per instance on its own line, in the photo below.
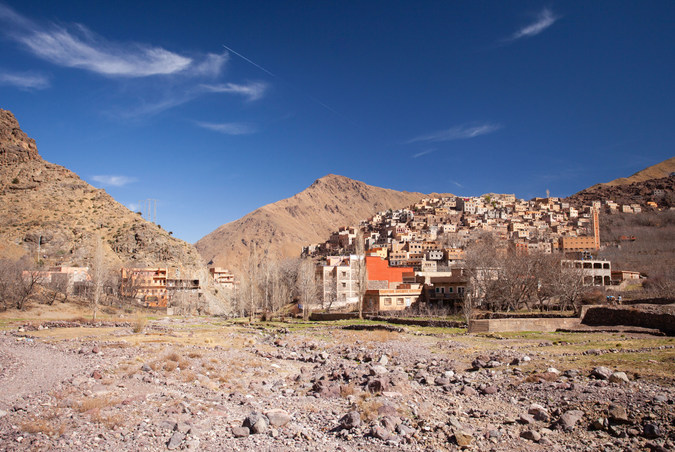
point(596, 228)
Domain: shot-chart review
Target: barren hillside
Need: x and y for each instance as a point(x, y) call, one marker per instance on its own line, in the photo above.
point(48, 209)
point(658, 171)
point(284, 227)
point(661, 191)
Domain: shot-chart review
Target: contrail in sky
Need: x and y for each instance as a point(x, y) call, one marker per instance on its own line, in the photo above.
point(310, 97)
point(253, 63)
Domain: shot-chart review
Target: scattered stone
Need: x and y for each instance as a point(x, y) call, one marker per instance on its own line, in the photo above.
point(531, 435)
point(526, 419)
point(602, 373)
point(256, 422)
point(240, 432)
point(660, 398)
point(327, 389)
point(619, 377)
point(384, 360)
point(462, 437)
point(441, 381)
point(378, 370)
point(278, 417)
point(405, 430)
point(539, 412)
point(175, 440)
point(468, 391)
point(651, 431)
point(600, 423)
point(146, 368)
point(183, 427)
point(489, 390)
point(380, 432)
point(569, 419)
point(350, 420)
point(617, 414)
point(96, 375)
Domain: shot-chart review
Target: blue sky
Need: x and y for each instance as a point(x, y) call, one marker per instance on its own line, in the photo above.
point(215, 109)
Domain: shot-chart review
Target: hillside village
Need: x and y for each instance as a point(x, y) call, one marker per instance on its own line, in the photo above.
point(417, 254)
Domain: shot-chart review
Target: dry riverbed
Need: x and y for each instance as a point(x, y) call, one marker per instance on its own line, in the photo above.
point(211, 384)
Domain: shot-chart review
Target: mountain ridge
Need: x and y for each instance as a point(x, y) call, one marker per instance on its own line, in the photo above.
point(49, 208)
point(656, 171)
point(310, 216)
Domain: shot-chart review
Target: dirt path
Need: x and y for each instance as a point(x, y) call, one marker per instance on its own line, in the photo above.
point(27, 368)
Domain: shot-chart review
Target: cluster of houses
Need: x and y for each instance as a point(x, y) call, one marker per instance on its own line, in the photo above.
point(151, 286)
point(417, 253)
point(413, 254)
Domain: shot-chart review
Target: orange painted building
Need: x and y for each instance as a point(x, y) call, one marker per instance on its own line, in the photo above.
point(379, 270)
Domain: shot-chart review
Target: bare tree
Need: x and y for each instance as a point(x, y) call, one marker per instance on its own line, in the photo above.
point(250, 286)
point(467, 307)
point(568, 285)
point(98, 274)
point(306, 285)
point(330, 292)
point(18, 282)
point(361, 270)
point(283, 281)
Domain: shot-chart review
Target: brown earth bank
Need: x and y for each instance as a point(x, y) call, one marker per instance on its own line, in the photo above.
point(213, 384)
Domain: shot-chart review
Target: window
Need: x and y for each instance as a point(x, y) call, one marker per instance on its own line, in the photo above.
point(399, 301)
point(387, 301)
point(460, 290)
point(450, 289)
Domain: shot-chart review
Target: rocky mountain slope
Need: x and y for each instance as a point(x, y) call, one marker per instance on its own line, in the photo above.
point(47, 209)
point(284, 227)
point(661, 191)
point(658, 171)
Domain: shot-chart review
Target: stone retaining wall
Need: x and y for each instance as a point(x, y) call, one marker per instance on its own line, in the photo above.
point(418, 322)
point(522, 324)
point(330, 316)
point(655, 318)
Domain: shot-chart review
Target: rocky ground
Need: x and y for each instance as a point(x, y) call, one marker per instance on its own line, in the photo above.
point(207, 384)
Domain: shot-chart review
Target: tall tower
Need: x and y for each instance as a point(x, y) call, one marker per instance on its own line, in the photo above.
point(596, 228)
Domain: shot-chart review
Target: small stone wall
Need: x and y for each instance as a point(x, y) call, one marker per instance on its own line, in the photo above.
point(330, 316)
point(418, 322)
point(522, 324)
point(656, 317)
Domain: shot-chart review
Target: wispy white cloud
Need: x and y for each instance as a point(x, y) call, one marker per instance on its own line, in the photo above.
point(24, 80)
point(425, 152)
point(134, 207)
point(544, 19)
point(457, 183)
point(252, 91)
point(460, 132)
point(229, 128)
point(78, 47)
point(212, 65)
point(112, 180)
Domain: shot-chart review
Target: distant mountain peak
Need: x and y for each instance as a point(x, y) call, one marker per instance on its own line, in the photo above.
point(284, 227)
